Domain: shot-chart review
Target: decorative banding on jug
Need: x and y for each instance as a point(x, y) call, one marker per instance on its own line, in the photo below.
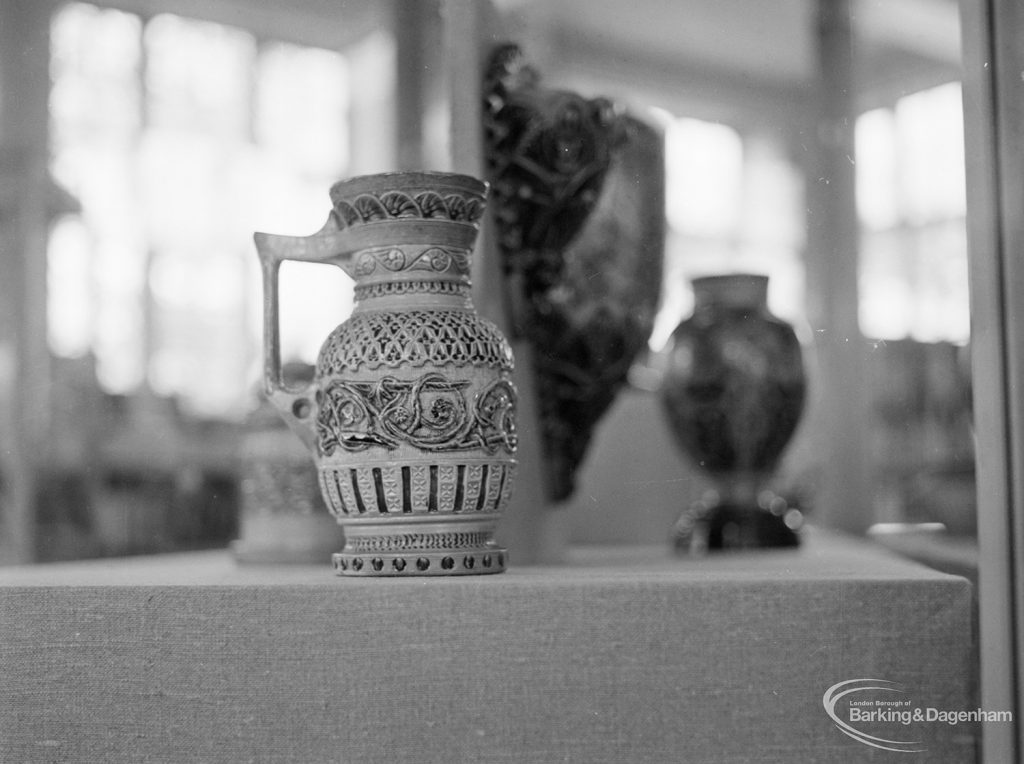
point(411, 414)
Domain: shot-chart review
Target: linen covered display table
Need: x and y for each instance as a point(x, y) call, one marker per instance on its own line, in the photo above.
point(621, 655)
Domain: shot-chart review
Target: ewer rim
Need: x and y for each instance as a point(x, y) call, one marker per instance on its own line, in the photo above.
point(404, 180)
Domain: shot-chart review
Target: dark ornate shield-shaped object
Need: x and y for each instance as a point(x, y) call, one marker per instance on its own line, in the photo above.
point(578, 189)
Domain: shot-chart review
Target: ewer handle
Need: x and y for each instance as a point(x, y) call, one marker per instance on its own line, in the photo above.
point(336, 247)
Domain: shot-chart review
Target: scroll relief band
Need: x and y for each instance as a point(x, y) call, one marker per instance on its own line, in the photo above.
point(431, 413)
point(395, 259)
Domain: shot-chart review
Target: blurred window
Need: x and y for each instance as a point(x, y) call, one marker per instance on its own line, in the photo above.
point(911, 200)
point(179, 138)
point(733, 203)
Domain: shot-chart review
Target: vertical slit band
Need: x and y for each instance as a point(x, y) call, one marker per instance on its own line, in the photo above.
point(460, 488)
point(501, 487)
point(378, 487)
point(355, 488)
point(482, 498)
point(335, 476)
point(406, 489)
point(432, 494)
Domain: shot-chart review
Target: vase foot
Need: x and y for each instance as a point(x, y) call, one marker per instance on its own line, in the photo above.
point(724, 526)
point(461, 562)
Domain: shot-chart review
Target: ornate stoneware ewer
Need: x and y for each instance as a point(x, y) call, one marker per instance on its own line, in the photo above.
point(411, 413)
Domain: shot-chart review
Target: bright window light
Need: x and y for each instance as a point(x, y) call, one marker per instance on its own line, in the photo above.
point(179, 138)
point(704, 178)
point(733, 203)
point(911, 199)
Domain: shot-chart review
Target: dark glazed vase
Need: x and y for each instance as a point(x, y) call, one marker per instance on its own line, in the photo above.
point(734, 392)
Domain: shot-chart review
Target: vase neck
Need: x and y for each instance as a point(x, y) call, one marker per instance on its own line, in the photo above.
point(409, 295)
point(425, 275)
point(739, 290)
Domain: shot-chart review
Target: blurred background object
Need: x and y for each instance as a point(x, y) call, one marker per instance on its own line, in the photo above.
point(734, 393)
point(142, 141)
point(282, 515)
point(579, 192)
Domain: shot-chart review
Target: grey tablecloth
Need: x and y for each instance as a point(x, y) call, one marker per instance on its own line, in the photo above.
point(618, 656)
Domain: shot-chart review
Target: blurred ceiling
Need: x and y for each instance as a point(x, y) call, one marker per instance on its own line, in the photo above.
point(322, 23)
point(739, 55)
point(734, 60)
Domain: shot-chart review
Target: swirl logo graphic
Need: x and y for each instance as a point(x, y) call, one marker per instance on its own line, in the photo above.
point(890, 711)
